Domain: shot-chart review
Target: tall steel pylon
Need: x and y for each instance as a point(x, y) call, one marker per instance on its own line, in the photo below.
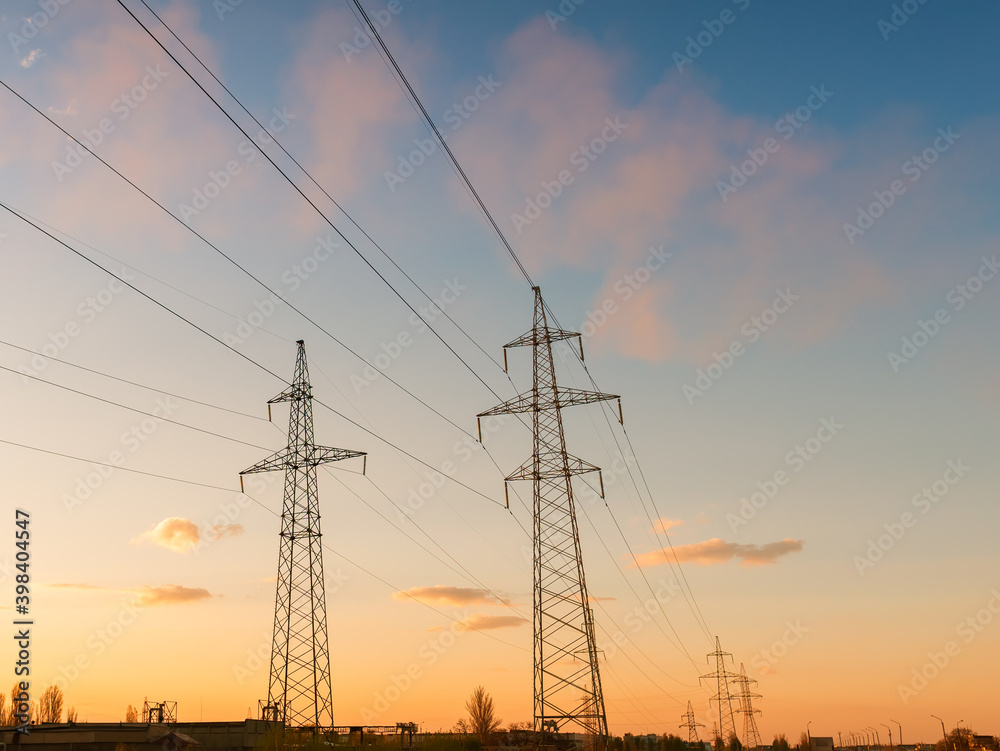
point(751, 735)
point(722, 676)
point(692, 725)
point(299, 690)
point(567, 678)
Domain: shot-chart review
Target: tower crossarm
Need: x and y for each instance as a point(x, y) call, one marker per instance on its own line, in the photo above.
point(541, 334)
point(565, 397)
point(521, 403)
point(288, 457)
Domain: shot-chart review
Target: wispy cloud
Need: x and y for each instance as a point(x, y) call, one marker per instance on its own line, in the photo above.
point(442, 595)
point(480, 622)
point(31, 58)
point(665, 525)
point(716, 550)
point(169, 594)
point(180, 535)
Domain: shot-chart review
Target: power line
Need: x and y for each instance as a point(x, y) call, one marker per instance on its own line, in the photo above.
point(444, 144)
point(130, 383)
point(313, 180)
point(133, 409)
point(237, 352)
point(229, 258)
point(309, 201)
point(394, 66)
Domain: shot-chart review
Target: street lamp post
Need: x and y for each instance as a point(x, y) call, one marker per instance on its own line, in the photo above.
point(809, 735)
point(943, 731)
point(900, 732)
point(878, 741)
point(890, 734)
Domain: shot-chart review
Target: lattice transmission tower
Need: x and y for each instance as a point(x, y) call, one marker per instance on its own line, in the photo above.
point(751, 735)
point(299, 689)
point(692, 726)
point(723, 698)
point(567, 678)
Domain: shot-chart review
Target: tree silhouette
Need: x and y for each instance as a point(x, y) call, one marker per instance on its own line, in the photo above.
point(483, 720)
point(71, 714)
point(959, 739)
point(131, 714)
point(780, 743)
point(50, 705)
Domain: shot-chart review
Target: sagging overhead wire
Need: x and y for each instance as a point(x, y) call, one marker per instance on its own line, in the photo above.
point(243, 356)
point(456, 165)
point(311, 203)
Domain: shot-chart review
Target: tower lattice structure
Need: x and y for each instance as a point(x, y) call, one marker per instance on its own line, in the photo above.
point(751, 735)
point(567, 678)
point(299, 688)
point(692, 725)
point(723, 698)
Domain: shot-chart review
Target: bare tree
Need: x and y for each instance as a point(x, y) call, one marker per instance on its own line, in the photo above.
point(131, 714)
point(71, 714)
point(51, 705)
point(483, 720)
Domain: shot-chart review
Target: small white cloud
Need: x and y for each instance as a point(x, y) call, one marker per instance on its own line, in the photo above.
point(31, 59)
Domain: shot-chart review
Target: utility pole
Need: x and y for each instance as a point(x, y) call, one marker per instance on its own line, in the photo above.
point(567, 678)
point(727, 725)
point(692, 726)
point(299, 690)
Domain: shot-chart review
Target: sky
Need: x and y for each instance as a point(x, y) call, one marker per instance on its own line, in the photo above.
point(774, 223)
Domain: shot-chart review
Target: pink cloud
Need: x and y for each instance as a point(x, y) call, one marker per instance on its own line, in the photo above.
point(714, 551)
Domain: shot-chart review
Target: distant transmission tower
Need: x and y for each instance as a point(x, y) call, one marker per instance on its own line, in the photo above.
point(692, 726)
point(299, 691)
point(727, 725)
point(751, 736)
point(567, 679)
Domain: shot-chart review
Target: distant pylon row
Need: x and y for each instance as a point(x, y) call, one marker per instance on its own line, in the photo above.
point(724, 678)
